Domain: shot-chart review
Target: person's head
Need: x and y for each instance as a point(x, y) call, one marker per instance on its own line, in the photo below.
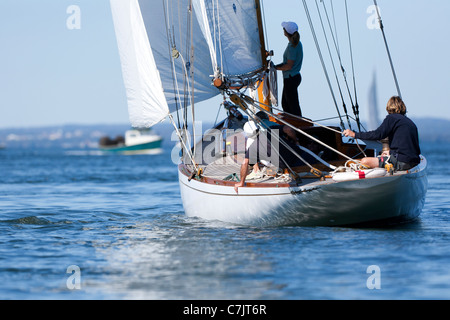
point(262, 115)
point(290, 133)
point(291, 32)
point(396, 105)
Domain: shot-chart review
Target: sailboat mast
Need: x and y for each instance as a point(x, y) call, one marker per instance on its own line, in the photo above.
point(264, 55)
point(261, 33)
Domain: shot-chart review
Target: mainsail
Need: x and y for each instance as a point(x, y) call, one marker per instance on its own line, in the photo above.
point(233, 33)
point(171, 49)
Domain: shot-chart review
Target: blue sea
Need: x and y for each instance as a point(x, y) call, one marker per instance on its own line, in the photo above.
point(79, 225)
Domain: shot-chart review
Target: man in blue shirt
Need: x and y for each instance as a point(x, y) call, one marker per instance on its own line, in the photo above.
point(291, 66)
point(403, 138)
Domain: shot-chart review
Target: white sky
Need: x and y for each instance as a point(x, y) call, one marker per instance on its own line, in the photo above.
point(52, 75)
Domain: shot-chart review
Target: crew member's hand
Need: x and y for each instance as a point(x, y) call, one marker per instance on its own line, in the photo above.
point(237, 186)
point(348, 133)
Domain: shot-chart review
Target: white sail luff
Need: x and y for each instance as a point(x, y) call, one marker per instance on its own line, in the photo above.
point(146, 101)
point(202, 17)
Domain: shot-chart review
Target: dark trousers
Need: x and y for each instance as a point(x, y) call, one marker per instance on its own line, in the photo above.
point(289, 100)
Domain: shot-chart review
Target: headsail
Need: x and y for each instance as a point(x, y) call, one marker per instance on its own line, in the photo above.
point(157, 43)
point(146, 102)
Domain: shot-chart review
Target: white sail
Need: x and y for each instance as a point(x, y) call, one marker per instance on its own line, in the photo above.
point(146, 102)
point(232, 27)
point(157, 81)
point(374, 120)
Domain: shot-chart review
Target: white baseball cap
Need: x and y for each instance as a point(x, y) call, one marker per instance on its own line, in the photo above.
point(251, 131)
point(290, 27)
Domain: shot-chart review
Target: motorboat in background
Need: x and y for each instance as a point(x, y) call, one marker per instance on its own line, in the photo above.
point(135, 141)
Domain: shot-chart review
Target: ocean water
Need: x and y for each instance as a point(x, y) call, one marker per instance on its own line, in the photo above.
point(75, 225)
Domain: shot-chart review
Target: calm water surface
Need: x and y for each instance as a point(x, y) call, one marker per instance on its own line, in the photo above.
point(120, 220)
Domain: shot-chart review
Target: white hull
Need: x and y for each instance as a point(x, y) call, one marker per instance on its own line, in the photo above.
point(377, 201)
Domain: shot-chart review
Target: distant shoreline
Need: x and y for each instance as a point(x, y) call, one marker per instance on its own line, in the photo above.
point(86, 136)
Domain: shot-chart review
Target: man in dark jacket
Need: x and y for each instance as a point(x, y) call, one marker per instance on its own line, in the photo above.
point(403, 138)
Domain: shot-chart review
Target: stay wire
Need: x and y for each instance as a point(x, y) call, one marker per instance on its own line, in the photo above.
point(338, 52)
point(170, 32)
point(279, 140)
point(355, 106)
point(334, 67)
point(311, 25)
point(387, 49)
point(253, 102)
point(334, 23)
point(169, 45)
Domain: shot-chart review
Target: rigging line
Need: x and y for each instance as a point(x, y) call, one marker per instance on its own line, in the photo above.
point(294, 174)
point(250, 100)
point(211, 9)
point(322, 62)
point(336, 45)
point(387, 49)
point(179, 24)
point(300, 118)
point(173, 27)
point(176, 51)
point(333, 34)
point(168, 35)
point(218, 112)
point(265, 27)
point(177, 94)
point(180, 137)
point(326, 119)
point(355, 106)
point(214, 25)
point(334, 22)
point(185, 75)
point(312, 122)
point(186, 49)
point(188, 96)
point(189, 70)
point(220, 37)
point(334, 68)
point(285, 144)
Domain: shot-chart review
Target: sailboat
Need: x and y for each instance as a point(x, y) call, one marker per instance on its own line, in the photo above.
point(177, 53)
